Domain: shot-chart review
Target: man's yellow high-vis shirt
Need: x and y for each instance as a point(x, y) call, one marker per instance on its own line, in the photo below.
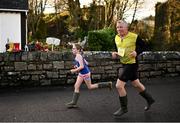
point(125, 46)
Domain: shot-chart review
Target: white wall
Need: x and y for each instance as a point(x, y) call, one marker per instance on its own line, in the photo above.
point(10, 27)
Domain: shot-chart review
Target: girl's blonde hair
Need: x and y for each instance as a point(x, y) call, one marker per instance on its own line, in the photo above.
point(78, 47)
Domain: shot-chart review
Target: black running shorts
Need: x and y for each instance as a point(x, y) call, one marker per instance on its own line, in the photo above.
point(128, 72)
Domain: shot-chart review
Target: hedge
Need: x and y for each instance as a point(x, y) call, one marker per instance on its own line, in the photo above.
point(101, 40)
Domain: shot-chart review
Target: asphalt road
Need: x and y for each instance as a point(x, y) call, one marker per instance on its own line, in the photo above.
point(47, 104)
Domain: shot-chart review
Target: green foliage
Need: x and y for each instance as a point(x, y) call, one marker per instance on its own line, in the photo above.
point(80, 33)
point(101, 40)
point(42, 30)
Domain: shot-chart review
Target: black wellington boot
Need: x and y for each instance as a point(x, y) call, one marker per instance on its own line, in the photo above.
point(73, 103)
point(123, 109)
point(148, 98)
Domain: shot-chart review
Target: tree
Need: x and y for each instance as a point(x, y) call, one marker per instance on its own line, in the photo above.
point(117, 9)
point(109, 11)
point(75, 12)
point(59, 7)
point(35, 15)
point(135, 9)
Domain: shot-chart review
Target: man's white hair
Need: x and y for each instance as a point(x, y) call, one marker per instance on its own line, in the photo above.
point(123, 22)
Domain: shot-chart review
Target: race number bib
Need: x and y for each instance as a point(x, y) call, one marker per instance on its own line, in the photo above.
point(121, 51)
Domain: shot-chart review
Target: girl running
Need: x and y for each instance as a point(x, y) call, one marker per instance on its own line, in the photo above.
point(84, 74)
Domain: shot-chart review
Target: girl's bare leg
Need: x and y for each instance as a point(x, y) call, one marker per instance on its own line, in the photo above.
point(90, 85)
point(78, 83)
point(73, 103)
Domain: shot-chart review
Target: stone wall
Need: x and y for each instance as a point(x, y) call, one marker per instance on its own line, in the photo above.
point(50, 68)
